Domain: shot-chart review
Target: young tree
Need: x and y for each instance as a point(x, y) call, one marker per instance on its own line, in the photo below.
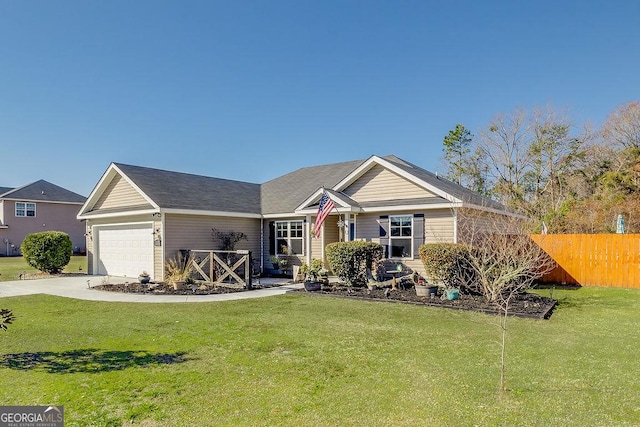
point(505, 262)
point(228, 239)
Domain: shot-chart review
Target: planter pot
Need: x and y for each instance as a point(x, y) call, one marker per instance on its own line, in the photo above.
point(144, 279)
point(312, 286)
point(426, 291)
point(178, 284)
point(452, 294)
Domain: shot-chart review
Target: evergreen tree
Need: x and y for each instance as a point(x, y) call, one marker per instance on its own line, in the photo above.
point(457, 146)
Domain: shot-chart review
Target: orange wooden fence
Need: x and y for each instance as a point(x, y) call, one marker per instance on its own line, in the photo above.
point(593, 259)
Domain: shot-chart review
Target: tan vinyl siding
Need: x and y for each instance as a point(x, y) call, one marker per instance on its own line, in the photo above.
point(195, 232)
point(367, 228)
point(316, 246)
point(484, 222)
point(119, 193)
point(439, 226)
point(379, 183)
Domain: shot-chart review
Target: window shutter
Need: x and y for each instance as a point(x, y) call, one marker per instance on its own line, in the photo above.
point(272, 237)
point(418, 233)
point(383, 223)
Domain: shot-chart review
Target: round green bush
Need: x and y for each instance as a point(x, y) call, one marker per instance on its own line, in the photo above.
point(445, 263)
point(48, 251)
point(350, 260)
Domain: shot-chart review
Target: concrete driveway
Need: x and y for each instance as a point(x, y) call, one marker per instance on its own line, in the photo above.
point(80, 287)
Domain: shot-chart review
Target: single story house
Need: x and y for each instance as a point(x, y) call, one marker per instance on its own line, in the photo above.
point(35, 207)
point(138, 217)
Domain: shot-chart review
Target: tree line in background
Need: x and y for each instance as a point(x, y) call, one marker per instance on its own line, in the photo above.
point(537, 163)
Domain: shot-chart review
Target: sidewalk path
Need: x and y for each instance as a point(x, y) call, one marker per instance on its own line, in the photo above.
point(79, 287)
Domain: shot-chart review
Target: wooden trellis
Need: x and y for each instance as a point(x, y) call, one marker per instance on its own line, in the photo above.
point(223, 268)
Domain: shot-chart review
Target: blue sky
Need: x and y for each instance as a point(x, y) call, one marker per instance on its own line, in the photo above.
point(250, 90)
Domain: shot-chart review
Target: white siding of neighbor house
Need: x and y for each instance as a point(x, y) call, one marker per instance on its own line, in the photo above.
point(379, 183)
point(119, 193)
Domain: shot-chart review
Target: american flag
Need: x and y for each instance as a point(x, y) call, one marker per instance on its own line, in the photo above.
point(324, 209)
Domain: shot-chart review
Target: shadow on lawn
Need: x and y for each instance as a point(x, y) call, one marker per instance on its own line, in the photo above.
point(87, 360)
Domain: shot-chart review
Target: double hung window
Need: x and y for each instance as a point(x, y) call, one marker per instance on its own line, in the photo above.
point(24, 209)
point(401, 236)
point(289, 238)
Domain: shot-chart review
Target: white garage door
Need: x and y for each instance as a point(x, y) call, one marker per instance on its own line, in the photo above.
point(124, 250)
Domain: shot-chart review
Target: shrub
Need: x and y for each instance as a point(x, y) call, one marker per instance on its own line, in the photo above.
point(178, 268)
point(446, 263)
point(48, 251)
point(351, 260)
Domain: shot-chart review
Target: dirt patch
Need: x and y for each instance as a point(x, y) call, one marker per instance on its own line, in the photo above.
point(524, 305)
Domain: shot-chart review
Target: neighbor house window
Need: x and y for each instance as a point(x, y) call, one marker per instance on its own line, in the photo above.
point(401, 236)
point(25, 209)
point(289, 236)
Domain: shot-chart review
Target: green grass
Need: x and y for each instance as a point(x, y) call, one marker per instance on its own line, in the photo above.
point(302, 361)
point(12, 267)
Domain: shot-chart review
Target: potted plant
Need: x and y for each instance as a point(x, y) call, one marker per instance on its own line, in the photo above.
point(283, 264)
point(178, 269)
point(275, 262)
point(423, 287)
point(313, 276)
point(144, 278)
point(302, 272)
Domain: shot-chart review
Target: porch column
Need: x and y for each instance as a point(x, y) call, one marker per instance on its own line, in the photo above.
point(347, 227)
point(307, 240)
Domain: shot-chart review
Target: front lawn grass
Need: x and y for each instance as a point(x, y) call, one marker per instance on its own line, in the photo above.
point(300, 361)
point(12, 267)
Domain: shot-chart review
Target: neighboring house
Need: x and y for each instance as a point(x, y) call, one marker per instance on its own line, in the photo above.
point(40, 206)
point(137, 217)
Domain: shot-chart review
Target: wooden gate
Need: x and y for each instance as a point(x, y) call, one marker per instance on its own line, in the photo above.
point(223, 268)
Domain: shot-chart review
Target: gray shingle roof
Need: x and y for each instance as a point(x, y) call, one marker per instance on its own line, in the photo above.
point(281, 195)
point(285, 193)
point(4, 190)
point(445, 185)
point(44, 191)
point(177, 190)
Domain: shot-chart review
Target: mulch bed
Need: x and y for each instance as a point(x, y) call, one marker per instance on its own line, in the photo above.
point(166, 289)
point(525, 305)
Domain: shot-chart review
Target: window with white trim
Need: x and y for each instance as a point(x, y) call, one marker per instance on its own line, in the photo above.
point(289, 238)
point(401, 236)
point(24, 209)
